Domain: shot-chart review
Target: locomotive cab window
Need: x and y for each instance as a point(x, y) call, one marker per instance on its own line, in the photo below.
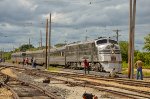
point(113, 41)
point(101, 41)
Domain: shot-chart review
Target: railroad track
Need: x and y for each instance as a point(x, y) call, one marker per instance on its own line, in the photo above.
point(137, 83)
point(132, 93)
point(79, 81)
point(96, 77)
point(3, 84)
point(24, 89)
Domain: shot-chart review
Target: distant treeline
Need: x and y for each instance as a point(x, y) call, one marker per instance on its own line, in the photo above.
point(144, 56)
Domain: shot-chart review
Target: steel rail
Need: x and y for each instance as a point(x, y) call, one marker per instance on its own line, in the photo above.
point(89, 84)
point(15, 95)
point(53, 96)
point(118, 80)
point(93, 84)
point(91, 77)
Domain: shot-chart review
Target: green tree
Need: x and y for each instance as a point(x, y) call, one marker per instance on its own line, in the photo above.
point(139, 55)
point(147, 58)
point(7, 55)
point(124, 50)
point(25, 47)
point(147, 43)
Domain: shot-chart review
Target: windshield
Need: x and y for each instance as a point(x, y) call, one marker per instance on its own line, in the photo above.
point(101, 41)
point(113, 41)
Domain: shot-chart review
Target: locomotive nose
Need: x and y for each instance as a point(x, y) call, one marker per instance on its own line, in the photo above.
point(112, 45)
point(112, 52)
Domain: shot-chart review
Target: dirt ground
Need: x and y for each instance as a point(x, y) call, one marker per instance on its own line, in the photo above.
point(76, 92)
point(5, 94)
point(73, 92)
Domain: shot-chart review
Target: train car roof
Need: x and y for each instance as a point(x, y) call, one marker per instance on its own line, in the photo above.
point(81, 42)
point(37, 51)
point(57, 49)
point(17, 53)
point(86, 42)
point(40, 51)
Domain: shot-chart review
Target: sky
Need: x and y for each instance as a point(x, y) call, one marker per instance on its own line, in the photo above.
point(72, 20)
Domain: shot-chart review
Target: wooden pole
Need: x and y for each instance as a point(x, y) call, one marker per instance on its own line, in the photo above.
point(46, 43)
point(130, 39)
point(29, 41)
point(39, 45)
point(41, 38)
point(49, 45)
point(65, 54)
point(133, 31)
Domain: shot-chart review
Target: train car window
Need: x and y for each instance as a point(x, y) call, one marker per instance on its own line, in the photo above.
point(113, 41)
point(101, 41)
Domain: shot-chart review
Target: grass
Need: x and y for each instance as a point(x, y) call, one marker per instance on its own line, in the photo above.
point(10, 61)
point(146, 69)
point(125, 65)
point(53, 69)
point(146, 72)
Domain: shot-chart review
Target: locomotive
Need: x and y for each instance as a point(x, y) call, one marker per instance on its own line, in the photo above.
point(102, 54)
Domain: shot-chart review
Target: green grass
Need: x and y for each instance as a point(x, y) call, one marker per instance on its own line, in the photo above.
point(146, 69)
point(146, 66)
point(146, 72)
point(53, 69)
point(125, 65)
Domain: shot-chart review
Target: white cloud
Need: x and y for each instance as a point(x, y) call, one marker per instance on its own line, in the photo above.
point(71, 20)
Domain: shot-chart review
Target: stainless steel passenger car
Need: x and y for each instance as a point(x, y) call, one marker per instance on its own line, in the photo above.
point(102, 54)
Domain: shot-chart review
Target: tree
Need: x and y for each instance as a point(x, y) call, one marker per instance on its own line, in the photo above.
point(25, 47)
point(139, 55)
point(146, 58)
point(147, 43)
point(124, 50)
point(7, 55)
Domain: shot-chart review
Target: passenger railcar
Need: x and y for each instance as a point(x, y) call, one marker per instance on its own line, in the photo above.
point(102, 54)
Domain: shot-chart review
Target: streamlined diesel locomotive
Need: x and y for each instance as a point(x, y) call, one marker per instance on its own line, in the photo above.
point(102, 54)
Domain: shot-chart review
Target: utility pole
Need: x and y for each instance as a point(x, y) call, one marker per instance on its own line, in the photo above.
point(13, 49)
point(41, 38)
point(29, 43)
point(39, 45)
point(1, 53)
point(117, 34)
point(46, 44)
point(65, 53)
point(65, 42)
point(86, 37)
point(49, 45)
point(131, 39)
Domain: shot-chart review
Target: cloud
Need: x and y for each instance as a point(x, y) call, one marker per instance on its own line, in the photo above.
point(71, 20)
